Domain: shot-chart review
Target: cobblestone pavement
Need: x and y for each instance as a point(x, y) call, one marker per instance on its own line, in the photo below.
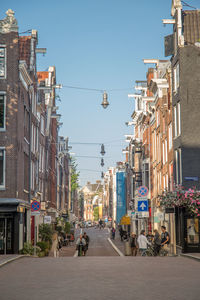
point(99, 278)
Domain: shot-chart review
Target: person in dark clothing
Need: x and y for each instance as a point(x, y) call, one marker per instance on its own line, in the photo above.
point(156, 242)
point(113, 233)
point(133, 244)
point(164, 236)
point(165, 239)
point(87, 240)
point(121, 232)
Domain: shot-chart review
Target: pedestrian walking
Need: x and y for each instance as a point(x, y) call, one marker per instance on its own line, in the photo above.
point(80, 244)
point(156, 242)
point(133, 244)
point(113, 233)
point(121, 232)
point(100, 224)
point(87, 240)
point(143, 242)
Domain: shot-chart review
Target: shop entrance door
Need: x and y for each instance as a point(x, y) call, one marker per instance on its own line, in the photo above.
point(192, 234)
point(6, 235)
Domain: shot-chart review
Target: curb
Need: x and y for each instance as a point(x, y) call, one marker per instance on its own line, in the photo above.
point(12, 259)
point(190, 256)
point(115, 248)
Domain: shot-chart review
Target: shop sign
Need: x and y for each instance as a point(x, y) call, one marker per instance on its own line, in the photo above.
point(47, 219)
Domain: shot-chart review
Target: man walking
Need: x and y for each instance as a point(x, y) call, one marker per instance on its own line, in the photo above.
point(143, 242)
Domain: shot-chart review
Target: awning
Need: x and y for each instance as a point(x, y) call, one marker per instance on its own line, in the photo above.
point(13, 204)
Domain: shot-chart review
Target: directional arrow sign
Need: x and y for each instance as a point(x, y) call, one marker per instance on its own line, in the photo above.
point(143, 205)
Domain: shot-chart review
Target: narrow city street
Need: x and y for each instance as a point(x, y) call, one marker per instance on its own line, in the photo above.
point(100, 278)
point(102, 274)
point(99, 245)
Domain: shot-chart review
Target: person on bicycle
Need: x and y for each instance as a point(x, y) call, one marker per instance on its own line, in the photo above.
point(143, 242)
point(80, 244)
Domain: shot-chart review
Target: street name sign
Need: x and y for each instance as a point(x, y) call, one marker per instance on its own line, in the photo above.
point(143, 205)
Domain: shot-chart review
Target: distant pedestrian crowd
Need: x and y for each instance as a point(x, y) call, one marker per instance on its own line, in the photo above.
point(150, 244)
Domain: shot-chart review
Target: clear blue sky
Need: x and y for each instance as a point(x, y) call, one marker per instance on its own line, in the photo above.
point(95, 44)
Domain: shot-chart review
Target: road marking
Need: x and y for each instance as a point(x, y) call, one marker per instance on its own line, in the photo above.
point(116, 249)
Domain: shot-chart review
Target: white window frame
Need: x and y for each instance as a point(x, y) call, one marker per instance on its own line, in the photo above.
point(163, 150)
point(180, 166)
point(42, 125)
point(5, 62)
point(3, 186)
point(178, 118)
point(176, 164)
point(170, 136)
point(175, 123)
point(166, 151)
point(4, 121)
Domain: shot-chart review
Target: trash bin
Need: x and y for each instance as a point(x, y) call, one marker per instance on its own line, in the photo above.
point(127, 248)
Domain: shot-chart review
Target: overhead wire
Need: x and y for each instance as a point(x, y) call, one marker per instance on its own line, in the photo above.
point(188, 5)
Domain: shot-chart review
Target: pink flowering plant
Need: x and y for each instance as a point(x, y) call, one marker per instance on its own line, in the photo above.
point(190, 199)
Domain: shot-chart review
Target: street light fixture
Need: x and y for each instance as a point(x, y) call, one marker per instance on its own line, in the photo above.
point(102, 150)
point(105, 102)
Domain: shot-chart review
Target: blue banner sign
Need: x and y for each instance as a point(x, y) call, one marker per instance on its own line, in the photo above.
point(121, 195)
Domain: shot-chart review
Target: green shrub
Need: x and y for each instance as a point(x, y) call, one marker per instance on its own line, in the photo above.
point(45, 232)
point(28, 249)
point(41, 254)
point(59, 229)
point(43, 245)
point(67, 227)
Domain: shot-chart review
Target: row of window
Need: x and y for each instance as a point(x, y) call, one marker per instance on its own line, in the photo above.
point(165, 144)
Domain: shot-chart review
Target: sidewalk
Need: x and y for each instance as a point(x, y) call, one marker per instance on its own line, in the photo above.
point(4, 259)
point(118, 243)
point(195, 256)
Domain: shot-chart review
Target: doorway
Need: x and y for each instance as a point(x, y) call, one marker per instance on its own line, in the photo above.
point(192, 234)
point(6, 235)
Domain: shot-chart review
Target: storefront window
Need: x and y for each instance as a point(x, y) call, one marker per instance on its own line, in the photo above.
point(193, 231)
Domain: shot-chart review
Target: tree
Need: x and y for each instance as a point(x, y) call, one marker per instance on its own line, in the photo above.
point(74, 175)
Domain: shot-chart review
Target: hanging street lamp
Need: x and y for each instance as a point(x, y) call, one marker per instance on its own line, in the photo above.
point(102, 162)
point(102, 150)
point(105, 102)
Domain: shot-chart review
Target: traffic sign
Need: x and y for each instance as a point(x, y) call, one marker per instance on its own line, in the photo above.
point(143, 214)
point(143, 191)
point(143, 205)
point(35, 206)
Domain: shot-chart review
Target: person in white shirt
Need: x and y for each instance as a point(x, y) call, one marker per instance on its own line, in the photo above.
point(143, 242)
